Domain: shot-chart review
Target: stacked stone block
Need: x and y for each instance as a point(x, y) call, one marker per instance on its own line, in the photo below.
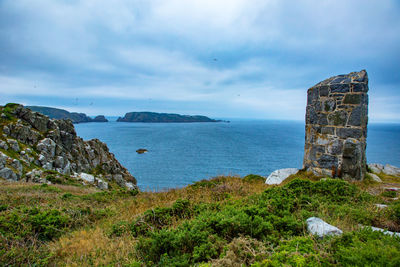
point(336, 126)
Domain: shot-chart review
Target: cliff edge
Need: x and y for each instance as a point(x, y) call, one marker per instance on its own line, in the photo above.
point(35, 148)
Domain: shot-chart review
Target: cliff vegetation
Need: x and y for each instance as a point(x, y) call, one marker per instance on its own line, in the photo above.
point(225, 221)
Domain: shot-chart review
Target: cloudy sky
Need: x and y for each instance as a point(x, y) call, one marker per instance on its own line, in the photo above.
point(221, 58)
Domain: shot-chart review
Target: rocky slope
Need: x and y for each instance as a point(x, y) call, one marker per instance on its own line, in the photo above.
point(162, 117)
point(35, 148)
point(56, 113)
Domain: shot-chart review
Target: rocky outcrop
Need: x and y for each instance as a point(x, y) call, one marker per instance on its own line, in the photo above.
point(386, 169)
point(278, 176)
point(318, 227)
point(336, 126)
point(75, 117)
point(32, 143)
point(162, 117)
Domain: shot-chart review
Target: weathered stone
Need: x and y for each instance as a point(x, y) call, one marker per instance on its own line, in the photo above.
point(13, 145)
point(334, 115)
point(279, 176)
point(86, 177)
point(59, 162)
point(376, 167)
point(312, 117)
point(352, 99)
point(59, 148)
point(318, 227)
point(359, 87)
point(353, 164)
point(3, 145)
point(8, 174)
point(328, 130)
point(102, 184)
point(375, 177)
point(356, 117)
point(322, 119)
point(6, 130)
point(328, 161)
point(335, 147)
point(324, 90)
point(391, 170)
point(329, 105)
point(340, 88)
point(3, 159)
point(47, 147)
point(349, 132)
point(312, 95)
point(338, 118)
point(16, 164)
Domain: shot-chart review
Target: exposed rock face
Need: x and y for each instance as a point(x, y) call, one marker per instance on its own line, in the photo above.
point(278, 176)
point(387, 169)
point(336, 126)
point(46, 144)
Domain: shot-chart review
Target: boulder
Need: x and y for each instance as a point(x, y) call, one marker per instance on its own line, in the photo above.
point(3, 145)
point(317, 226)
point(102, 184)
point(376, 167)
point(375, 177)
point(279, 176)
point(13, 145)
point(8, 174)
point(391, 170)
point(87, 177)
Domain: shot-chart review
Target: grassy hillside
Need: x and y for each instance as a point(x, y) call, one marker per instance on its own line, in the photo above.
point(226, 221)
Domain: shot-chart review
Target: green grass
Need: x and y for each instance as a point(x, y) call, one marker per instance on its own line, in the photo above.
point(226, 221)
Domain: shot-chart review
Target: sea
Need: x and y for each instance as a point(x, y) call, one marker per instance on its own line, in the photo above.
point(183, 153)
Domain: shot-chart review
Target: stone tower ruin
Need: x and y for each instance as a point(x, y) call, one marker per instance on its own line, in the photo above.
point(336, 126)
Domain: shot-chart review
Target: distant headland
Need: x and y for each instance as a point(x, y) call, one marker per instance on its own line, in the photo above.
point(56, 113)
point(163, 117)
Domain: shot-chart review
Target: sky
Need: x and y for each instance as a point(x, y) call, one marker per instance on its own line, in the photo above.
point(219, 58)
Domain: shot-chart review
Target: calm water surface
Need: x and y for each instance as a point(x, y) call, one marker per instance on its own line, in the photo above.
point(182, 153)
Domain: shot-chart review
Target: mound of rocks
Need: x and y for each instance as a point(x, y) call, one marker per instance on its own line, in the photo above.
point(32, 142)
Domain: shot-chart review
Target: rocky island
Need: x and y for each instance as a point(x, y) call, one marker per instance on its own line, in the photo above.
point(163, 117)
point(75, 117)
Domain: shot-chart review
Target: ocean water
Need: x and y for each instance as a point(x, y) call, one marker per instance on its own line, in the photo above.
point(182, 153)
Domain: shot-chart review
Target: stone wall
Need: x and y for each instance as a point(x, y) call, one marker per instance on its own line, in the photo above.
point(336, 126)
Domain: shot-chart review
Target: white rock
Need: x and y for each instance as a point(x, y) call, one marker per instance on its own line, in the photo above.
point(391, 170)
point(130, 185)
point(87, 177)
point(8, 174)
point(376, 167)
point(318, 227)
point(381, 206)
point(279, 176)
point(102, 184)
point(375, 177)
point(13, 145)
point(386, 232)
point(3, 145)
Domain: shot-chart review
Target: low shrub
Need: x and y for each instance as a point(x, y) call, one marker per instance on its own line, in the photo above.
point(253, 178)
point(366, 248)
